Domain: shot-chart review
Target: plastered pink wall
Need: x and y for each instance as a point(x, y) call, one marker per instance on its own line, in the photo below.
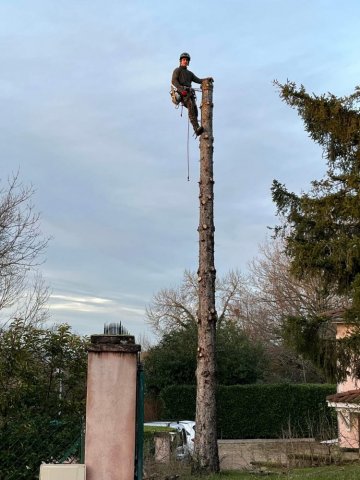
point(350, 383)
point(348, 437)
point(110, 416)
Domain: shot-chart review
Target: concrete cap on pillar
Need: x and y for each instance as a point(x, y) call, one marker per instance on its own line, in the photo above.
point(113, 343)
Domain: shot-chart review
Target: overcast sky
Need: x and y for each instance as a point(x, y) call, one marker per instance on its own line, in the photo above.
point(86, 117)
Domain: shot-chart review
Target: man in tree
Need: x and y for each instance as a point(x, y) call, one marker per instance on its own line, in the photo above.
point(181, 80)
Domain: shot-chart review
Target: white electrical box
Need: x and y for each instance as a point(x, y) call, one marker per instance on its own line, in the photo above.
point(62, 472)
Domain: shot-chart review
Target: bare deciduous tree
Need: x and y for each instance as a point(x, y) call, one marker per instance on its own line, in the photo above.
point(281, 294)
point(21, 246)
point(176, 308)
point(299, 311)
point(259, 303)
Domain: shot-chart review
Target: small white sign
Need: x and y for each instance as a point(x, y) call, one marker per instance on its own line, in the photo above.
point(62, 472)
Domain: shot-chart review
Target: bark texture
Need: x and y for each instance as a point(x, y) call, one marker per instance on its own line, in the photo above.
point(206, 449)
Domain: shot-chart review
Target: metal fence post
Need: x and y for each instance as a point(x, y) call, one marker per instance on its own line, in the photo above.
point(139, 458)
point(82, 441)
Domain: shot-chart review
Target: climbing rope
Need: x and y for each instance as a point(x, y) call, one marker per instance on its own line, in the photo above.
point(188, 155)
point(187, 145)
point(177, 104)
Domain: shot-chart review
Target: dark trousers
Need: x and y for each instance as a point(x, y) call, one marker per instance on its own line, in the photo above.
point(190, 103)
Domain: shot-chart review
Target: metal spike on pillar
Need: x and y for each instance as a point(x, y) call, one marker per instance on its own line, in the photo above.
point(115, 328)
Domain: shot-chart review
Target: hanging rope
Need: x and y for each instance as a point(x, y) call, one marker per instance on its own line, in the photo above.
point(187, 149)
point(188, 129)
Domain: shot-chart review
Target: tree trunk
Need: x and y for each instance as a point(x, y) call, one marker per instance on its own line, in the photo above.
point(206, 449)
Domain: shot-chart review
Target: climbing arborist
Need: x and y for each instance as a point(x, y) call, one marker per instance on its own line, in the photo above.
point(181, 81)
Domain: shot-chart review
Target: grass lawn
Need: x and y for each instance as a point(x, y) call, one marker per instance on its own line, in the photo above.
point(341, 472)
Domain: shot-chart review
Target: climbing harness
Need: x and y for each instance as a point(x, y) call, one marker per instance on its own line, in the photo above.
point(176, 97)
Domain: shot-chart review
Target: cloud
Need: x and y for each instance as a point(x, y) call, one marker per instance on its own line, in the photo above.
point(88, 314)
point(86, 116)
point(80, 304)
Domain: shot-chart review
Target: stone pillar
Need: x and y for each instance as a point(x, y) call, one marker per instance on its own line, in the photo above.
point(162, 447)
point(111, 408)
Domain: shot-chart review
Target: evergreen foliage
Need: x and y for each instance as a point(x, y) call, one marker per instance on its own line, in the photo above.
point(42, 397)
point(321, 227)
point(261, 411)
point(173, 360)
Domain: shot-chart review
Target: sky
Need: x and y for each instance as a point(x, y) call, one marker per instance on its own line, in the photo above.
point(86, 118)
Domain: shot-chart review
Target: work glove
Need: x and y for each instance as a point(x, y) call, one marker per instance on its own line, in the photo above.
point(210, 79)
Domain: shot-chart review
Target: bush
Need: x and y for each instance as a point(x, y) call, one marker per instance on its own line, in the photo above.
point(259, 411)
point(179, 402)
point(31, 440)
point(173, 360)
point(42, 399)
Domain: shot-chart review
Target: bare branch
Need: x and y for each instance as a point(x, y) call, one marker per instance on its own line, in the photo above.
point(21, 246)
point(176, 308)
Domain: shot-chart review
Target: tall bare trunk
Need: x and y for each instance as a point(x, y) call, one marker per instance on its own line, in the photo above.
point(206, 449)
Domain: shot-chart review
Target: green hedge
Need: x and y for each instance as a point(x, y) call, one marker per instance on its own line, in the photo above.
point(260, 411)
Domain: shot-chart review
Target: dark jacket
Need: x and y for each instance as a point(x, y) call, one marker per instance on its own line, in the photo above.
point(182, 77)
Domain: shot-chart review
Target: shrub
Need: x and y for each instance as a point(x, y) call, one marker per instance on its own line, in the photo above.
point(259, 411)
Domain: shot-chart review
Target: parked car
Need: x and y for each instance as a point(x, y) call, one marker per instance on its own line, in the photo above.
point(186, 429)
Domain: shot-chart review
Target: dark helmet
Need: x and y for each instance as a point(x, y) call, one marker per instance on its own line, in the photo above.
point(185, 55)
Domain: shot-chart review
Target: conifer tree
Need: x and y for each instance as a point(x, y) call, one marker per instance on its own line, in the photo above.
point(321, 227)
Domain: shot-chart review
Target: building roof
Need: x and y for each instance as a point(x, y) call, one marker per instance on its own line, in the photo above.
point(336, 315)
point(351, 396)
